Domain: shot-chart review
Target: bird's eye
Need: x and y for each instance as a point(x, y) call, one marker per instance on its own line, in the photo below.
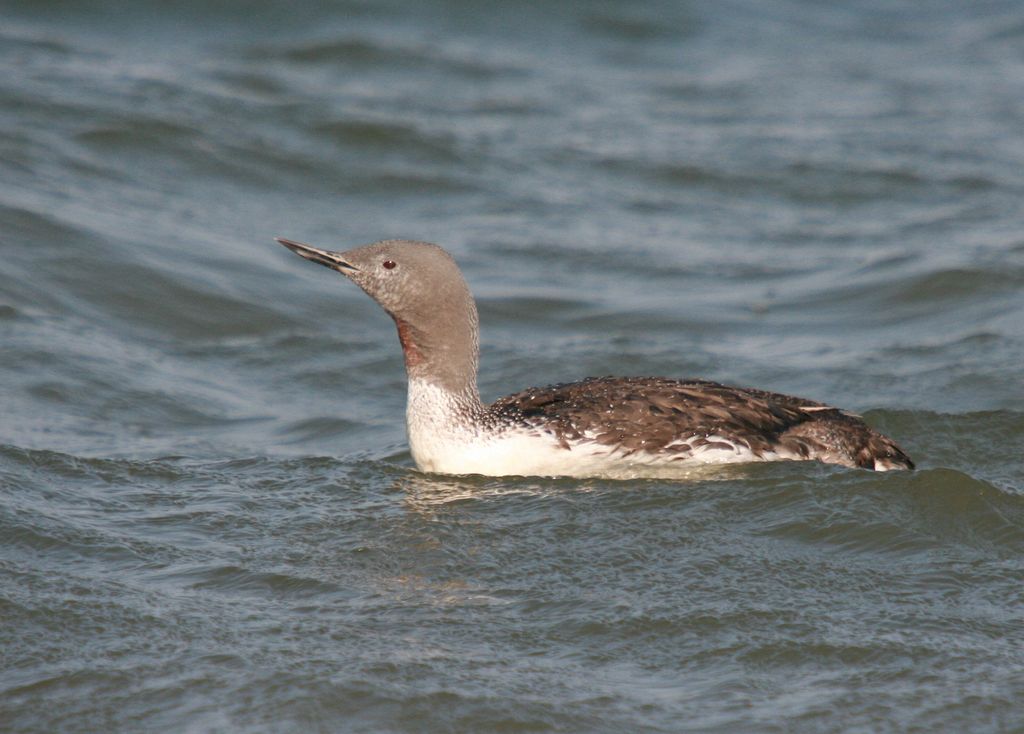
point(389, 264)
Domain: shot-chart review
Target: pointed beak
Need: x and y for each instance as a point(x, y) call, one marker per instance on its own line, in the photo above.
point(333, 260)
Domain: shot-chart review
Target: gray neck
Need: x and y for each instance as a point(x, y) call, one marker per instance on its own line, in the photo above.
point(442, 348)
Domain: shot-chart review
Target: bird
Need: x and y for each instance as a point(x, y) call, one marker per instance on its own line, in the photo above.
point(607, 427)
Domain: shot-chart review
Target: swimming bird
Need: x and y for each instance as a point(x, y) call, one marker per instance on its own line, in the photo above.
point(597, 427)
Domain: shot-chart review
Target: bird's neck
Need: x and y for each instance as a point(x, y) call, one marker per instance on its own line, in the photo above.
point(443, 404)
point(445, 355)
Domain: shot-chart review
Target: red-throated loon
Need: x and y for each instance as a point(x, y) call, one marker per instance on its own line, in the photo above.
point(597, 427)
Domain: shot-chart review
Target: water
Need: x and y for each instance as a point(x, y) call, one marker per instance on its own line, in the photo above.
point(208, 516)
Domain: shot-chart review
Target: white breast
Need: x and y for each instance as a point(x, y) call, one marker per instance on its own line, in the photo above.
point(442, 439)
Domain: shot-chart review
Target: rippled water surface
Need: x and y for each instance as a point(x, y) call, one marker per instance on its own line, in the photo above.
point(209, 519)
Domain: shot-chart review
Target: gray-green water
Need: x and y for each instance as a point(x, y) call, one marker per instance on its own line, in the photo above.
point(208, 517)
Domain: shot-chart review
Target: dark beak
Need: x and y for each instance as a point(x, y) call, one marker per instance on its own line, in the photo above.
point(333, 260)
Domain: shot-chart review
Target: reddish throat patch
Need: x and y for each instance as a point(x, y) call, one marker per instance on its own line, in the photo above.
point(413, 356)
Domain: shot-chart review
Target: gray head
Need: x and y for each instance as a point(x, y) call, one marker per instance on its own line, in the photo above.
point(423, 290)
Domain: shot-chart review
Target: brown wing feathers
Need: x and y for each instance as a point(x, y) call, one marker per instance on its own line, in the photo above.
point(658, 415)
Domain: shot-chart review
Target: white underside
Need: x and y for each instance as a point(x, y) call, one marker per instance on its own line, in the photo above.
point(535, 454)
point(441, 443)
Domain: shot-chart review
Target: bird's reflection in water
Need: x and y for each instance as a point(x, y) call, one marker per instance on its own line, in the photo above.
point(428, 492)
